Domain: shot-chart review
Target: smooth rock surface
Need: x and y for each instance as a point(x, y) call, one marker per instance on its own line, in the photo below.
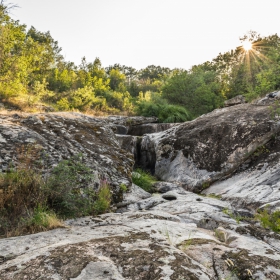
point(188, 238)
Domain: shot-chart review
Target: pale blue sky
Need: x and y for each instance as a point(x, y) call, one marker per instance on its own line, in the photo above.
point(138, 33)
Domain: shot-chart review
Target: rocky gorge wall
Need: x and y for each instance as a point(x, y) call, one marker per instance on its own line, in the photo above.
point(231, 155)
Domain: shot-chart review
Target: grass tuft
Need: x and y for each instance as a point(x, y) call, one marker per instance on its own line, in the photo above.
point(143, 179)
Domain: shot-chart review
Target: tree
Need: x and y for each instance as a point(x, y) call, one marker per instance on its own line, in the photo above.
point(197, 90)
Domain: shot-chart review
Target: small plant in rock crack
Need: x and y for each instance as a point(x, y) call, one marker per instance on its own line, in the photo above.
point(170, 238)
point(185, 245)
point(123, 188)
point(269, 219)
point(213, 195)
point(223, 236)
point(237, 217)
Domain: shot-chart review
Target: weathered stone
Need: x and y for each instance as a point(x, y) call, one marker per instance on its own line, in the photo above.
point(163, 187)
point(130, 121)
point(239, 99)
point(199, 152)
point(129, 143)
point(62, 135)
point(257, 182)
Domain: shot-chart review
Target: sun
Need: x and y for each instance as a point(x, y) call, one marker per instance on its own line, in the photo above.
point(247, 46)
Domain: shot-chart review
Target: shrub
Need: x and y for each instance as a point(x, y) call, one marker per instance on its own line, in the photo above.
point(68, 188)
point(30, 203)
point(143, 179)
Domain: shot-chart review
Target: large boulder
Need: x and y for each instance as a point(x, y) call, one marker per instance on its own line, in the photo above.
point(256, 183)
point(59, 136)
point(199, 152)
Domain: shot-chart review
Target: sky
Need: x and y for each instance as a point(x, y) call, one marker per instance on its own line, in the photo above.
point(138, 33)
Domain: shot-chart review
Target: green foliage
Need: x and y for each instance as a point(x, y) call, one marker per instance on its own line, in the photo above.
point(143, 179)
point(237, 217)
point(81, 99)
point(213, 195)
point(197, 90)
point(152, 105)
point(119, 100)
point(269, 219)
point(32, 71)
point(42, 219)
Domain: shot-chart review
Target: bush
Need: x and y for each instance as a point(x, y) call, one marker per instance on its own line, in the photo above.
point(21, 191)
point(173, 114)
point(165, 113)
point(143, 179)
point(67, 188)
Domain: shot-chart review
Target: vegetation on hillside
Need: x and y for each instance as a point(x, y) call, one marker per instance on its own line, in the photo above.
point(34, 74)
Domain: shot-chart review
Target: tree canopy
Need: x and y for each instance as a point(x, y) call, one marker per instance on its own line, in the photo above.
point(33, 71)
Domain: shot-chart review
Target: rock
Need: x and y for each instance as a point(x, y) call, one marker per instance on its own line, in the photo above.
point(269, 99)
point(231, 153)
point(256, 183)
point(198, 153)
point(181, 239)
point(120, 129)
point(135, 195)
point(130, 144)
point(239, 99)
point(163, 187)
point(274, 94)
point(58, 136)
point(130, 121)
point(169, 196)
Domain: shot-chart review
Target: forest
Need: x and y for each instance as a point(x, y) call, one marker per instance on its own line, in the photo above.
point(35, 76)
